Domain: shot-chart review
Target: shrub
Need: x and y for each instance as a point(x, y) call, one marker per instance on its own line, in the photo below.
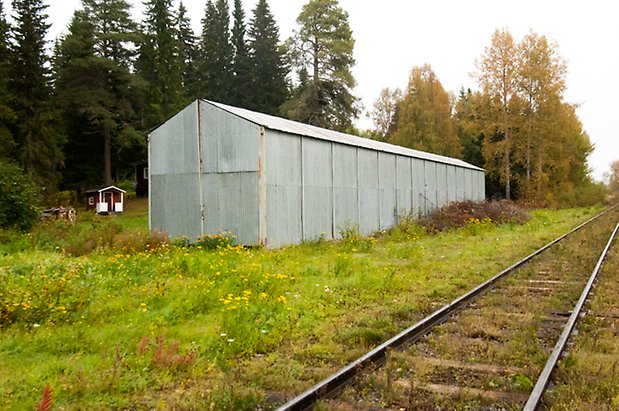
point(464, 213)
point(18, 198)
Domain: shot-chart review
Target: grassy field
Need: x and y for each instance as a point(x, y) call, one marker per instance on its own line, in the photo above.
point(110, 317)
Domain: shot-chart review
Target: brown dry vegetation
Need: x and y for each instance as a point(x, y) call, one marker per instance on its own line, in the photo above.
point(465, 212)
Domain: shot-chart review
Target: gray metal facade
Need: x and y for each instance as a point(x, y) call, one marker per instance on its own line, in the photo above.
point(215, 168)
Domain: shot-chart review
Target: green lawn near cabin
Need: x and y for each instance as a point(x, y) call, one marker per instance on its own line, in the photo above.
point(153, 324)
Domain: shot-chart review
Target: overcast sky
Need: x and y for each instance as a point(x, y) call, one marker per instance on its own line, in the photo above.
point(392, 36)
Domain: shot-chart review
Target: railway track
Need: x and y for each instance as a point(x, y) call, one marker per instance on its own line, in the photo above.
point(492, 348)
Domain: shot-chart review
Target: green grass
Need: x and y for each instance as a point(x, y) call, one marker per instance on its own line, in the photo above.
point(129, 322)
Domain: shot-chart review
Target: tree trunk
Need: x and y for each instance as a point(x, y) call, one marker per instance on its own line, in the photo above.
point(507, 150)
point(107, 157)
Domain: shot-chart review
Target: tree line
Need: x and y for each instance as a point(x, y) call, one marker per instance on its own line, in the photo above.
point(78, 117)
point(517, 126)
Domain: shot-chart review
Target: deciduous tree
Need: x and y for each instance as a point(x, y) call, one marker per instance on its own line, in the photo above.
point(468, 126)
point(540, 82)
point(613, 180)
point(385, 113)
point(424, 116)
point(497, 73)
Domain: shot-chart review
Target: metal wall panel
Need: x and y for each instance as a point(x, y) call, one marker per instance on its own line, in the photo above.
point(230, 143)
point(317, 189)
point(174, 198)
point(387, 190)
point(173, 146)
point(404, 185)
point(441, 184)
point(468, 185)
point(460, 184)
point(430, 194)
point(283, 176)
point(231, 205)
point(174, 206)
point(368, 191)
point(451, 184)
point(344, 189)
point(419, 187)
point(481, 185)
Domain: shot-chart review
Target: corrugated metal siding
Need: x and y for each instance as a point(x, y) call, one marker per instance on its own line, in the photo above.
point(451, 184)
point(230, 144)
point(404, 185)
point(419, 187)
point(460, 184)
point(173, 146)
point(317, 189)
point(430, 194)
point(231, 201)
point(283, 175)
point(441, 184)
point(345, 188)
point(173, 168)
point(282, 187)
point(468, 185)
point(167, 213)
point(387, 190)
point(293, 127)
point(368, 191)
point(481, 186)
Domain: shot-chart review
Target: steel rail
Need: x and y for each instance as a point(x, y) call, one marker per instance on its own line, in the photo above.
point(331, 386)
point(544, 378)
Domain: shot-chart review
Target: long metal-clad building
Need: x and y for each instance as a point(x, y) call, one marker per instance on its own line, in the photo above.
point(215, 168)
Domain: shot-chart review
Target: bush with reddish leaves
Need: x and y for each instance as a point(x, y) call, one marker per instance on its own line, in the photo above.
point(460, 214)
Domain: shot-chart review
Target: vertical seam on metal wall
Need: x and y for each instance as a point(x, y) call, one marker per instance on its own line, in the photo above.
point(358, 191)
point(150, 190)
point(397, 199)
point(262, 188)
point(302, 190)
point(200, 169)
point(332, 192)
point(378, 189)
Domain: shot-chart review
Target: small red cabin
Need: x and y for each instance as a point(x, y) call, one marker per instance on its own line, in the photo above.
point(106, 200)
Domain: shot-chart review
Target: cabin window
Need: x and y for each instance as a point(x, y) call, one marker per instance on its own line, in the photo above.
point(145, 173)
point(91, 201)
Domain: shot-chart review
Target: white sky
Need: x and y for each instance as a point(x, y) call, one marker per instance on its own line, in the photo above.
point(392, 36)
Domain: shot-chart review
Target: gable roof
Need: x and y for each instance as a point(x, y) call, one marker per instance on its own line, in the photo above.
point(110, 188)
point(306, 130)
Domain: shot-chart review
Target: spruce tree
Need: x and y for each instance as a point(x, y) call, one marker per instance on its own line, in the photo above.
point(216, 53)
point(7, 115)
point(98, 88)
point(115, 32)
point(270, 87)
point(159, 63)
point(187, 51)
point(241, 66)
point(37, 136)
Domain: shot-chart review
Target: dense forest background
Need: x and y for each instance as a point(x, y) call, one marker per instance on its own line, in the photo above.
point(75, 114)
